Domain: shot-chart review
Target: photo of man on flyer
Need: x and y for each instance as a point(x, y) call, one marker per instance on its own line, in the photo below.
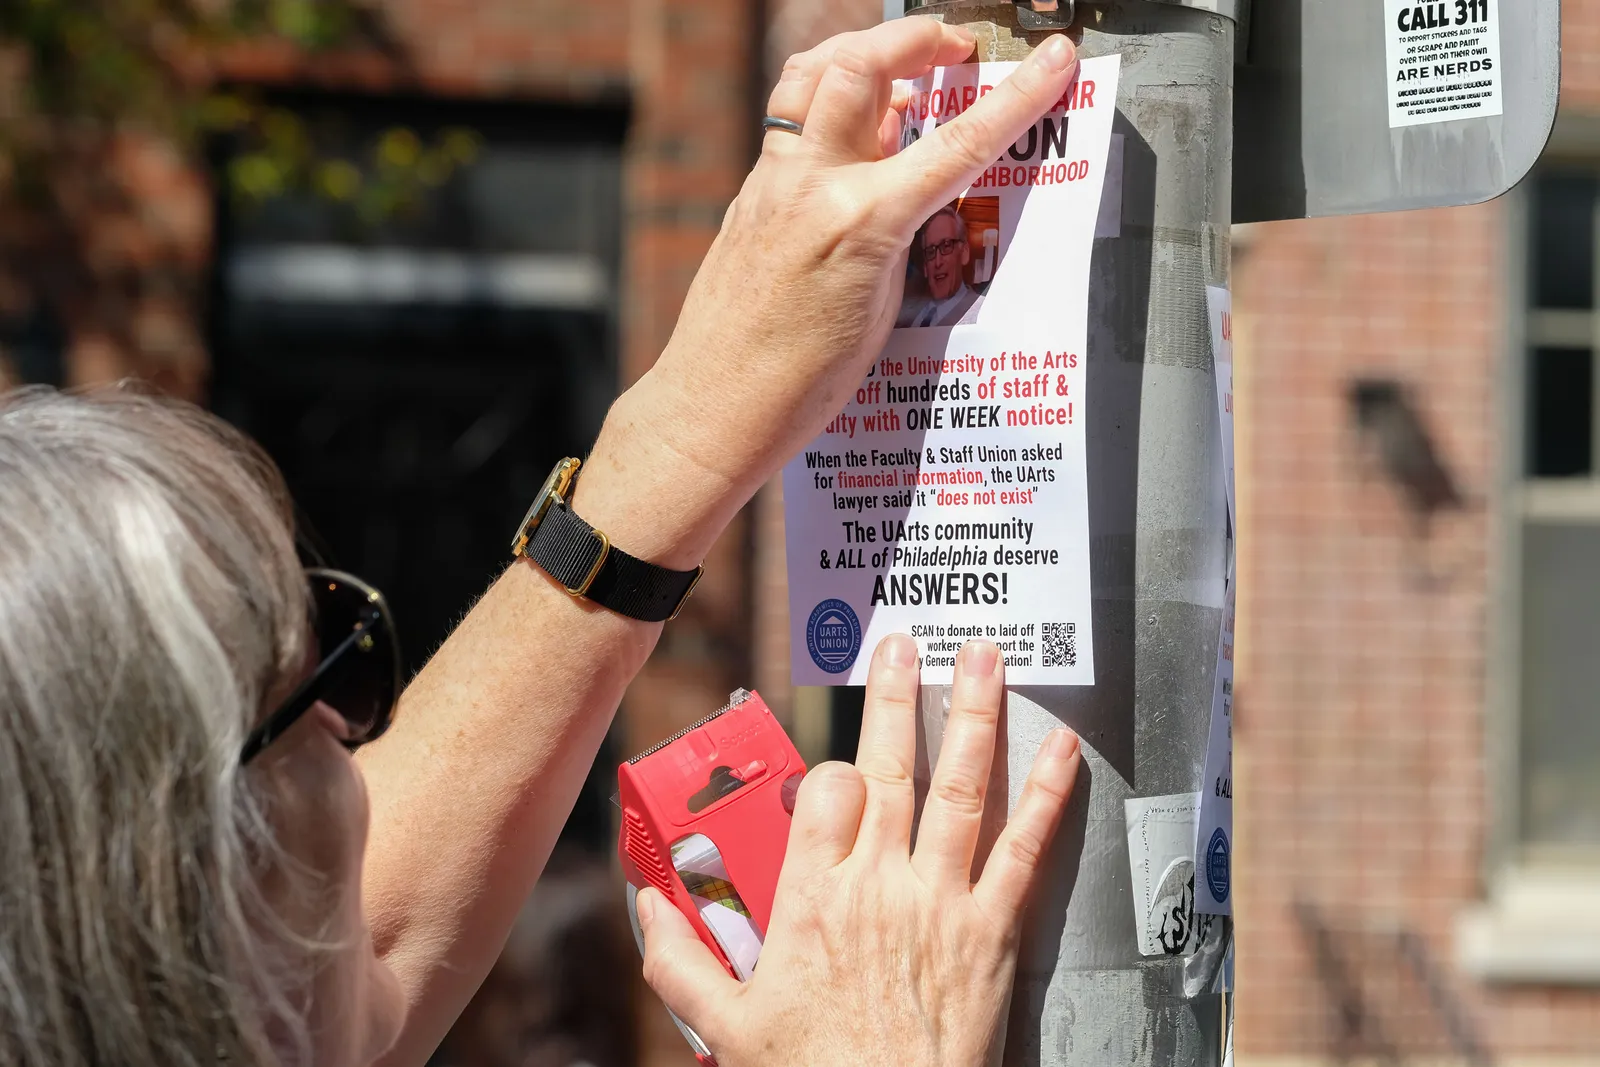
point(946, 276)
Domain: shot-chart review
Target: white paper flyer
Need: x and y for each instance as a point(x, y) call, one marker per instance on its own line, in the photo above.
point(948, 499)
point(1219, 303)
point(1213, 846)
point(1213, 860)
point(1443, 60)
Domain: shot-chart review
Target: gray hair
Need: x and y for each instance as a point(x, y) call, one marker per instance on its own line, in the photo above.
point(950, 211)
point(150, 605)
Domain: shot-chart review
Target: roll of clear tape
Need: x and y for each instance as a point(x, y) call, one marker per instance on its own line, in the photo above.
point(705, 876)
point(699, 864)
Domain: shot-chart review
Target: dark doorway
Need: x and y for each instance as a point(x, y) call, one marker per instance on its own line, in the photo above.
point(417, 355)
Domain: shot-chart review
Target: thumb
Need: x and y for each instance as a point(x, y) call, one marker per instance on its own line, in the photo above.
point(683, 972)
point(935, 169)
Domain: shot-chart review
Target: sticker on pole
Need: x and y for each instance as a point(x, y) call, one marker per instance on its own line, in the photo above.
point(1161, 861)
point(1444, 60)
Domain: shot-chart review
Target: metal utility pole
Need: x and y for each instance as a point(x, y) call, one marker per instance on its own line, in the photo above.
point(1085, 997)
point(1343, 108)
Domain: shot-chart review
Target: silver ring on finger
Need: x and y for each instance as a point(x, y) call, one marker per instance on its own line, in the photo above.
point(772, 122)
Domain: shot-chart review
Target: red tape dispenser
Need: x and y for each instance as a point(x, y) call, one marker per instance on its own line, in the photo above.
point(705, 819)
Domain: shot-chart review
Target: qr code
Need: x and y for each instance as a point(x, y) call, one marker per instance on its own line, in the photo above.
point(1060, 644)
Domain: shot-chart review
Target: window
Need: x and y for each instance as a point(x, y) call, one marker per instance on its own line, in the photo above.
point(417, 324)
point(1544, 743)
point(1558, 734)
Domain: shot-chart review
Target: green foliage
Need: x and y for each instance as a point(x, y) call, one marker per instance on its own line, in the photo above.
point(277, 156)
point(89, 67)
point(115, 61)
point(75, 74)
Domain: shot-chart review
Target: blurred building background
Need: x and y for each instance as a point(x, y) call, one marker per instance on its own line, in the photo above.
point(1418, 724)
point(418, 256)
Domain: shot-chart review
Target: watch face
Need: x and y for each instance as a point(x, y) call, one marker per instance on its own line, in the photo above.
point(555, 488)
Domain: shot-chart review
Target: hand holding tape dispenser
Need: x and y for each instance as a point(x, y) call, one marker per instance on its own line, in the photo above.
point(705, 820)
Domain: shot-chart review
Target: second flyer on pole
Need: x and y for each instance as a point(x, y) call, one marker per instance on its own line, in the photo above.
point(948, 499)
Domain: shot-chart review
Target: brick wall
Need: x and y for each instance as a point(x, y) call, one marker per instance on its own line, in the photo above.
point(686, 65)
point(1361, 730)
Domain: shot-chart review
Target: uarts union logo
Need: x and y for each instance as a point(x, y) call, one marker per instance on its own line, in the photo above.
point(1218, 866)
point(833, 636)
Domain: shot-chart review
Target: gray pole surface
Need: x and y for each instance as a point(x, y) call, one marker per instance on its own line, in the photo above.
point(1085, 997)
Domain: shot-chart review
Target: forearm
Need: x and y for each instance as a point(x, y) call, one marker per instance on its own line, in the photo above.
point(494, 738)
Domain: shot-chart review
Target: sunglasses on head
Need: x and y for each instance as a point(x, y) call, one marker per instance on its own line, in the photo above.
point(358, 670)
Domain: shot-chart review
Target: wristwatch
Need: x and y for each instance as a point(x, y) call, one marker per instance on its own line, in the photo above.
point(585, 562)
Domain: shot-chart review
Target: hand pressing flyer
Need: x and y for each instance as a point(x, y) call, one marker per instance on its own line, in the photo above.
point(949, 500)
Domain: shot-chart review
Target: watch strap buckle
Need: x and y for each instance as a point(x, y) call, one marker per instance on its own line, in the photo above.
point(582, 561)
point(684, 599)
point(582, 588)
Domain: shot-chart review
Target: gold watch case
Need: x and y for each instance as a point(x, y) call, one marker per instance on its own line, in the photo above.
point(556, 488)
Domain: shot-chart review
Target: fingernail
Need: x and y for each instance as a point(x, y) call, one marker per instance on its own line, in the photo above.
point(1057, 53)
point(1061, 744)
point(982, 657)
point(646, 903)
point(899, 651)
point(964, 33)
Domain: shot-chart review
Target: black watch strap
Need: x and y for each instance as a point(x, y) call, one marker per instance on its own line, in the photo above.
point(585, 562)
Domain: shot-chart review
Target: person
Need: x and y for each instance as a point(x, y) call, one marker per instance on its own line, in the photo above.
point(944, 253)
point(194, 869)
